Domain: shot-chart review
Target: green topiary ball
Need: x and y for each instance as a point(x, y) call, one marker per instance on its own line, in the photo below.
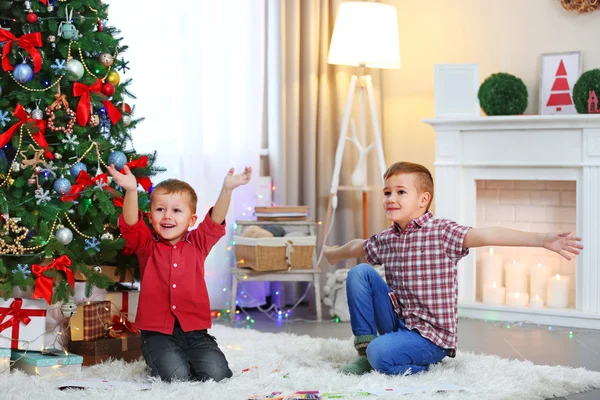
point(589, 80)
point(503, 94)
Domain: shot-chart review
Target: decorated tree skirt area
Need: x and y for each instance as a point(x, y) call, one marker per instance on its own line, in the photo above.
point(264, 363)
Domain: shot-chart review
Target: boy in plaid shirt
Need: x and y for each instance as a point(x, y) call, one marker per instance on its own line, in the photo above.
point(415, 312)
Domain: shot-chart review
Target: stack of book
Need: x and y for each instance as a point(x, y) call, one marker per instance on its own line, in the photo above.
point(281, 213)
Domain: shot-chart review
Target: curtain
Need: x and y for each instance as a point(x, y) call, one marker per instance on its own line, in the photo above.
point(199, 77)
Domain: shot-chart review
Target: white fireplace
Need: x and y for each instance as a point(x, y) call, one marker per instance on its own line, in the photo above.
point(534, 173)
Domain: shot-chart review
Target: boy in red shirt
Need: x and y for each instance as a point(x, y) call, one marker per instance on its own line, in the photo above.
point(410, 321)
point(174, 309)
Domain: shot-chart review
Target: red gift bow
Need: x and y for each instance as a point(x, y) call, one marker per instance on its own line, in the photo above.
point(44, 2)
point(122, 324)
point(84, 180)
point(141, 162)
point(43, 284)
point(24, 118)
point(84, 108)
point(28, 42)
point(19, 315)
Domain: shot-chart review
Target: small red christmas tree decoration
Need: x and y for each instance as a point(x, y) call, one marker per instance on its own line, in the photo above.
point(560, 92)
point(593, 103)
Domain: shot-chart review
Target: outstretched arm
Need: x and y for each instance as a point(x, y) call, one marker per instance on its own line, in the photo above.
point(230, 182)
point(128, 182)
point(562, 243)
point(352, 249)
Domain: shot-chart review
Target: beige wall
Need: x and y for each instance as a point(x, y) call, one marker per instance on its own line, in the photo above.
point(499, 35)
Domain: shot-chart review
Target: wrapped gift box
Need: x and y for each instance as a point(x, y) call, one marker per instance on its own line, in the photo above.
point(127, 348)
point(34, 363)
point(124, 303)
point(24, 321)
point(4, 360)
point(91, 320)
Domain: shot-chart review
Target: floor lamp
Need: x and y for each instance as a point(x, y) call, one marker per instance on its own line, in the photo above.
point(365, 36)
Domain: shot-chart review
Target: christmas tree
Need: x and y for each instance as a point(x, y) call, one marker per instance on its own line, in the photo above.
point(63, 119)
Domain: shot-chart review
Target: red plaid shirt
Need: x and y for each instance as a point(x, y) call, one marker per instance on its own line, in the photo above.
point(420, 268)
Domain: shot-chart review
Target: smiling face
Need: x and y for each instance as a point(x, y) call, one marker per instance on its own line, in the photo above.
point(402, 200)
point(171, 215)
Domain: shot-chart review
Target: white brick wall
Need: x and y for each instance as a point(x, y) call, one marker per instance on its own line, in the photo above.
point(532, 206)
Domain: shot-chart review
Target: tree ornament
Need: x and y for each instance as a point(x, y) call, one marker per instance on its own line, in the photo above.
point(113, 77)
point(75, 70)
point(37, 113)
point(108, 89)
point(31, 18)
point(58, 156)
point(69, 308)
point(38, 155)
point(62, 186)
point(52, 40)
point(16, 167)
point(27, 5)
point(50, 8)
point(66, 29)
point(64, 235)
point(94, 120)
point(106, 59)
point(118, 159)
point(15, 247)
point(23, 73)
point(124, 107)
point(59, 103)
point(32, 181)
point(77, 168)
point(98, 269)
point(37, 170)
point(126, 120)
point(107, 236)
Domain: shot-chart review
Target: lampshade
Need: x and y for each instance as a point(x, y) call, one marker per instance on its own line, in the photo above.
point(365, 34)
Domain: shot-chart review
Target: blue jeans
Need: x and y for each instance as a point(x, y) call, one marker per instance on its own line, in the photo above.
point(184, 356)
point(397, 349)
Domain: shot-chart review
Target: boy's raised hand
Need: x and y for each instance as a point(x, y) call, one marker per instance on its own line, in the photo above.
point(232, 181)
point(562, 243)
point(126, 181)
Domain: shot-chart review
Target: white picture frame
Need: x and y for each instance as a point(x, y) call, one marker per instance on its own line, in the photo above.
point(455, 90)
point(556, 88)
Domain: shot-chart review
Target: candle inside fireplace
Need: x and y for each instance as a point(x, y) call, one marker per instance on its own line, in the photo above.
point(536, 302)
point(491, 268)
point(517, 299)
point(516, 277)
point(558, 292)
point(493, 294)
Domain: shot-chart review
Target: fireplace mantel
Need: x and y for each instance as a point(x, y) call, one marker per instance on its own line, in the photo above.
point(528, 147)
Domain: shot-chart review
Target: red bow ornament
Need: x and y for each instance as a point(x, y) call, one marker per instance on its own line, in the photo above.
point(27, 42)
point(43, 283)
point(84, 108)
point(84, 180)
point(24, 118)
point(141, 162)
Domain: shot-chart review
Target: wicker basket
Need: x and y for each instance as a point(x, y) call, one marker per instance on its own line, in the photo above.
point(275, 254)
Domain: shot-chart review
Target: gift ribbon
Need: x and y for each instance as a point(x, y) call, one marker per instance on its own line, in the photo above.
point(43, 284)
point(122, 324)
point(18, 315)
point(28, 42)
point(84, 107)
point(24, 118)
point(84, 180)
point(143, 180)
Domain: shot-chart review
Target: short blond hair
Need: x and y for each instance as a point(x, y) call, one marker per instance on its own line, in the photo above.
point(177, 186)
point(423, 178)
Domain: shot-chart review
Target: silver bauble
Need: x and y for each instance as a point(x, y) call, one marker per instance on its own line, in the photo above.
point(126, 120)
point(74, 70)
point(16, 167)
point(62, 186)
point(68, 309)
point(64, 235)
point(107, 236)
point(58, 156)
point(37, 114)
point(50, 8)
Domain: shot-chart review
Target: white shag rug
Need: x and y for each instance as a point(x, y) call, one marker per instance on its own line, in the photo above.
point(286, 363)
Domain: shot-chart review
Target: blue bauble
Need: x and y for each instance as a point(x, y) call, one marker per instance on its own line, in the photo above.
point(4, 165)
point(118, 159)
point(0, 90)
point(62, 186)
point(23, 73)
point(77, 168)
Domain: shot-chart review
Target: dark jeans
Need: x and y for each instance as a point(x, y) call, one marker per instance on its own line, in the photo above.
point(397, 349)
point(184, 356)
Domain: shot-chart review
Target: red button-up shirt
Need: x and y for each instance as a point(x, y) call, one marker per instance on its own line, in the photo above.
point(172, 276)
point(420, 268)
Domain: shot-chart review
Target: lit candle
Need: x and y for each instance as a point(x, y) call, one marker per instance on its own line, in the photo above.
point(492, 294)
point(491, 267)
point(558, 292)
point(536, 302)
point(538, 280)
point(517, 299)
point(516, 277)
